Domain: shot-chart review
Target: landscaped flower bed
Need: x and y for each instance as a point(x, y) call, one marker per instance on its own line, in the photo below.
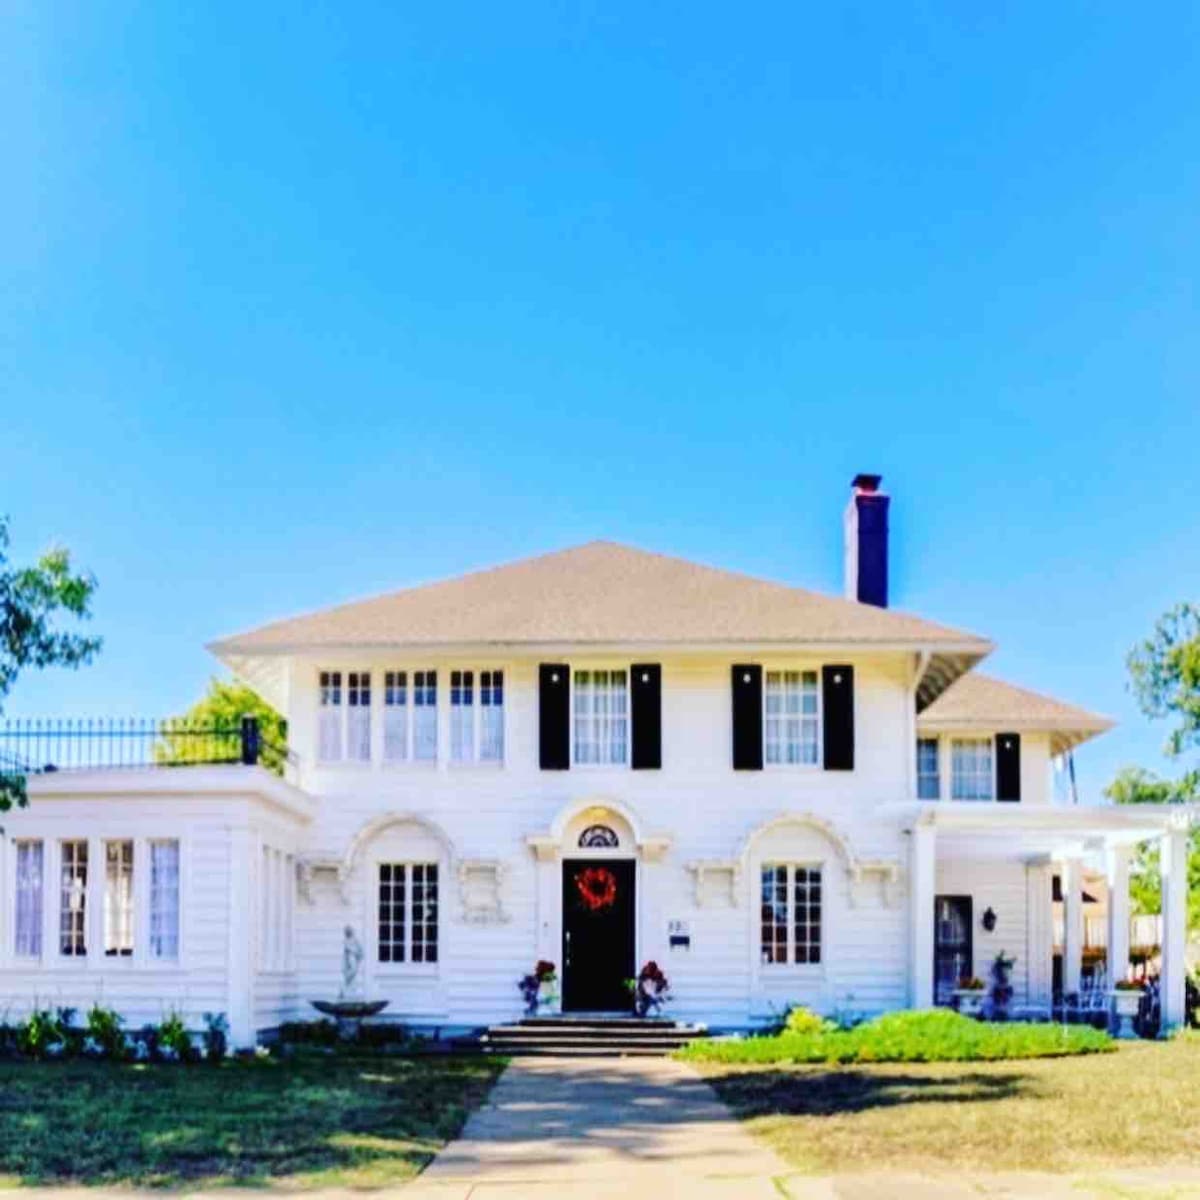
point(933, 1036)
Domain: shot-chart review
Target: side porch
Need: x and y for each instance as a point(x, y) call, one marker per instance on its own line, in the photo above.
point(988, 880)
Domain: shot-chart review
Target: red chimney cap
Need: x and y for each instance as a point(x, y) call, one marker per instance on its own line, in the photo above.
point(866, 483)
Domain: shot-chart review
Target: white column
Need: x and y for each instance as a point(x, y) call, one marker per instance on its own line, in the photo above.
point(922, 870)
point(240, 982)
point(1117, 879)
point(1174, 851)
point(1039, 933)
point(1072, 890)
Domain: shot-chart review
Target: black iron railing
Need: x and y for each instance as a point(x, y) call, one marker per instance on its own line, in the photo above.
point(34, 747)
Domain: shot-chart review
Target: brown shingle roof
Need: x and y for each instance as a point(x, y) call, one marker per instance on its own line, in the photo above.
point(982, 702)
point(601, 593)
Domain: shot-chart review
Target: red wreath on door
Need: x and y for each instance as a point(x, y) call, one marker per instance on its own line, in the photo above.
point(597, 888)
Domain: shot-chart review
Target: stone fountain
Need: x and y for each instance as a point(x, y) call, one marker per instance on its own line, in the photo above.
point(350, 1008)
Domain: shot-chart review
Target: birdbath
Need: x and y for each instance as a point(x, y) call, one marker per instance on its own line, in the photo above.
point(350, 1009)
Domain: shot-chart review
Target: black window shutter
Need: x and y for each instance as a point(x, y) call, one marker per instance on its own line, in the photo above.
point(837, 710)
point(747, 717)
point(646, 695)
point(1008, 766)
point(554, 716)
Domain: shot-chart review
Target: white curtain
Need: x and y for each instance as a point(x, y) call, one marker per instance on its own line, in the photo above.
point(29, 898)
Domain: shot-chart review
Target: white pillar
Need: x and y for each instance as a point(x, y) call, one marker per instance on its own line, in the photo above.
point(1072, 890)
point(1039, 934)
point(240, 979)
point(1174, 851)
point(1117, 879)
point(922, 870)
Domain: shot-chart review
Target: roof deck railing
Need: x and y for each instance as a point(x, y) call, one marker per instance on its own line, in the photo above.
point(38, 747)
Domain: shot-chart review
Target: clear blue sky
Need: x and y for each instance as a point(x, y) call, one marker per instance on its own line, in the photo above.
point(302, 302)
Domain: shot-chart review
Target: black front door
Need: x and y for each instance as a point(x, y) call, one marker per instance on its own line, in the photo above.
point(952, 950)
point(598, 947)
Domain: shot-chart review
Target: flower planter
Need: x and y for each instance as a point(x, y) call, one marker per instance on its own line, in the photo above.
point(1125, 1003)
point(547, 1000)
point(970, 1000)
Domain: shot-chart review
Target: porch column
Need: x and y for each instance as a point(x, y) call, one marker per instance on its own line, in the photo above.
point(1039, 933)
point(922, 872)
point(1072, 889)
point(1174, 852)
point(1117, 879)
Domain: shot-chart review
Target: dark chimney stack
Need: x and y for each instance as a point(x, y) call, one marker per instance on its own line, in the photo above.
point(866, 524)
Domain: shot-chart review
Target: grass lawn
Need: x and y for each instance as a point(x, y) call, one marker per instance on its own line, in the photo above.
point(1137, 1106)
point(309, 1121)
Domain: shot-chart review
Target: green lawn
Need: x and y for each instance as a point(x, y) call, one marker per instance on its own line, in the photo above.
point(309, 1121)
point(1137, 1106)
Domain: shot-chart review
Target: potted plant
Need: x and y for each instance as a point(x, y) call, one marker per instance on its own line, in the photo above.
point(1126, 1000)
point(969, 992)
point(649, 991)
point(539, 989)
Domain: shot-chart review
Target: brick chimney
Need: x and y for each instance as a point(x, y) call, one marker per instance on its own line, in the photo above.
point(866, 524)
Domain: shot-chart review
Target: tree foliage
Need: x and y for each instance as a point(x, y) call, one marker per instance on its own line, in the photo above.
point(217, 717)
point(33, 600)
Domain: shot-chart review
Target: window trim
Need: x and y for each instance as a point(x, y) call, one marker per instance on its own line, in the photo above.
point(592, 668)
point(819, 765)
point(774, 969)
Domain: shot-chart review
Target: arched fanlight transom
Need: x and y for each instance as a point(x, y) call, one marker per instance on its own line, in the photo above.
point(599, 837)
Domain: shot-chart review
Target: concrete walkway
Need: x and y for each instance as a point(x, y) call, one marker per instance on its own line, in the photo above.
point(600, 1128)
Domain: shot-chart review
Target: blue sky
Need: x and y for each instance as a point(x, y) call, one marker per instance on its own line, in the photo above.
point(300, 303)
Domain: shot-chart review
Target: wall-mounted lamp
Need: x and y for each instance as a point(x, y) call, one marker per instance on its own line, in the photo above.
point(989, 919)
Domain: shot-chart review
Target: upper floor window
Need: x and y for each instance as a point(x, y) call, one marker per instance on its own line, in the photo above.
point(601, 717)
point(929, 780)
point(118, 899)
point(791, 725)
point(971, 770)
point(329, 733)
point(790, 914)
point(408, 913)
point(476, 729)
point(29, 899)
point(358, 716)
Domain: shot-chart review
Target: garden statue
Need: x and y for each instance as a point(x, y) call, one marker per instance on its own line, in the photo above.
point(352, 957)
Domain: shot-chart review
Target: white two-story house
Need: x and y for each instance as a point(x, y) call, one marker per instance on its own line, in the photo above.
point(596, 757)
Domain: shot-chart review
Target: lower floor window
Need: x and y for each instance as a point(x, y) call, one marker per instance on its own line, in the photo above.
point(29, 899)
point(791, 914)
point(118, 899)
point(72, 916)
point(408, 912)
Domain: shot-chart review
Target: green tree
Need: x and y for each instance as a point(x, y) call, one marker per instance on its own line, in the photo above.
point(1164, 676)
point(33, 599)
point(215, 725)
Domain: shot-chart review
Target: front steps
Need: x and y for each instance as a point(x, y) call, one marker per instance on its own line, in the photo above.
point(587, 1036)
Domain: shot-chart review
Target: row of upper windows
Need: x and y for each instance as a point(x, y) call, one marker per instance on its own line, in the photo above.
point(972, 768)
point(600, 717)
point(121, 868)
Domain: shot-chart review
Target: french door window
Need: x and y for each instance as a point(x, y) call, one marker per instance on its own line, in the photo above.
point(72, 922)
point(29, 900)
point(118, 899)
point(790, 914)
point(791, 724)
point(164, 899)
point(408, 912)
point(602, 717)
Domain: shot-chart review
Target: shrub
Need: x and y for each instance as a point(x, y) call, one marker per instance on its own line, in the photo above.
point(310, 1033)
point(104, 1029)
point(40, 1034)
point(216, 1036)
point(172, 1039)
point(803, 1020)
point(937, 1035)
